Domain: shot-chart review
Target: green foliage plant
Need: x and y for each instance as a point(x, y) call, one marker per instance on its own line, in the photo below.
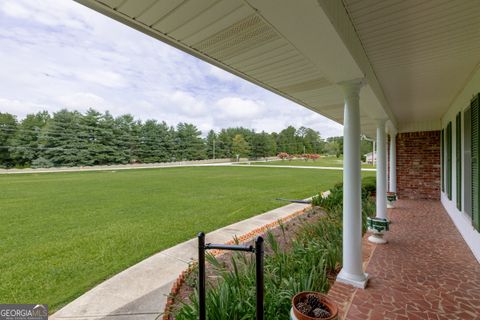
point(315, 253)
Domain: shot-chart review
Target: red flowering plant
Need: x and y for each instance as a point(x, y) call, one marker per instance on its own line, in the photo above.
point(283, 155)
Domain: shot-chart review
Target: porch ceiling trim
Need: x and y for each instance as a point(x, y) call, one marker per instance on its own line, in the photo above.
point(114, 14)
point(297, 50)
point(422, 52)
point(339, 18)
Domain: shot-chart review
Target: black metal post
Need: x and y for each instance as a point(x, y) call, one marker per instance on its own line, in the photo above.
point(201, 276)
point(259, 276)
point(258, 250)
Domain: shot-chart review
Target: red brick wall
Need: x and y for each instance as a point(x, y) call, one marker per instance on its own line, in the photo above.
point(418, 165)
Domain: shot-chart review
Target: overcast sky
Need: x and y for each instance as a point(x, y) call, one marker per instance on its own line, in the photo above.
point(58, 54)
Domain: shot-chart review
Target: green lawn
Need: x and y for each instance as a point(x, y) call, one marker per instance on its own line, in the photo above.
point(62, 233)
point(322, 162)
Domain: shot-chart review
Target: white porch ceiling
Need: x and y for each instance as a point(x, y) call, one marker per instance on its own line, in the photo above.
point(288, 47)
point(422, 51)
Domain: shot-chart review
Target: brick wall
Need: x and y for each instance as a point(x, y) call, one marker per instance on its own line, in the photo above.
point(418, 165)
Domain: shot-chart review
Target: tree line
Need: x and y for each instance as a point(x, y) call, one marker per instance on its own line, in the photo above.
point(71, 138)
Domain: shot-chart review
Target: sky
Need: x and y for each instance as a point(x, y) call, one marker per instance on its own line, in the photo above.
point(59, 54)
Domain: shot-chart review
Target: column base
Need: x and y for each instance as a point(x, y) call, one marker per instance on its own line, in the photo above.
point(377, 238)
point(357, 281)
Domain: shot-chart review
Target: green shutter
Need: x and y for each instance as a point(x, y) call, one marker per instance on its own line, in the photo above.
point(449, 160)
point(442, 157)
point(475, 161)
point(458, 158)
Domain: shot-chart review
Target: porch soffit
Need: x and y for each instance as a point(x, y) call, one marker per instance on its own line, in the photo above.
point(422, 52)
point(288, 47)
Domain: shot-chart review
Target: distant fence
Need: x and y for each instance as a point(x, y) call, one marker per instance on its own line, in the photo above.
point(133, 165)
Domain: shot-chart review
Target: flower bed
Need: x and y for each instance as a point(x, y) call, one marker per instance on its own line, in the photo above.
point(302, 254)
point(185, 283)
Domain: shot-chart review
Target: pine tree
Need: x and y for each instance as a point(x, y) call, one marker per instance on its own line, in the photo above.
point(8, 128)
point(223, 149)
point(287, 141)
point(189, 142)
point(211, 146)
point(89, 133)
point(127, 133)
point(61, 139)
point(263, 145)
point(108, 144)
point(156, 142)
point(311, 140)
point(25, 147)
point(69, 138)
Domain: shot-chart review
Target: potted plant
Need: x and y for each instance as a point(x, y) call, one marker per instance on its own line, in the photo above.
point(310, 305)
point(391, 198)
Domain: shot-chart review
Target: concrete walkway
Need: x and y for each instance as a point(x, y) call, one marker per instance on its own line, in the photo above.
point(295, 167)
point(140, 292)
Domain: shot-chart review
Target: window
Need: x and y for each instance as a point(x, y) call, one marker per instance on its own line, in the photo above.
point(467, 161)
point(449, 160)
point(458, 159)
point(442, 158)
point(475, 119)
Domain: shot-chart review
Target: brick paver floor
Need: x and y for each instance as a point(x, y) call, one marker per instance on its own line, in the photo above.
point(426, 271)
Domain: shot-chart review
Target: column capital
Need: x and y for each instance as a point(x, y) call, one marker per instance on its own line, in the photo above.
point(381, 122)
point(393, 132)
point(391, 129)
point(352, 87)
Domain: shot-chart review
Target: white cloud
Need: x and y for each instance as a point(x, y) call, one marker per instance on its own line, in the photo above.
point(15, 9)
point(237, 108)
point(103, 77)
point(221, 74)
point(18, 107)
point(47, 12)
point(82, 101)
point(58, 54)
point(186, 103)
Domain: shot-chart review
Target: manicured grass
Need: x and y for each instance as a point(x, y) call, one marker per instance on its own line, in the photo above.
point(62, 233)
point(322, 162)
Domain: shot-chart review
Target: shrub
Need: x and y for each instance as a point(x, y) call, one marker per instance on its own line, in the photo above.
point(312, 156)
point(315, 252)
point(283, 155)
point(369, 184)
point(333, 204)
point(333, 201)
point(303, 268)
point(42, 163)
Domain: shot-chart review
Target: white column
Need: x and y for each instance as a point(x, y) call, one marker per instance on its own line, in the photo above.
point(352, 271)
point(374, 154)
point(381, 170)
point(393, 162)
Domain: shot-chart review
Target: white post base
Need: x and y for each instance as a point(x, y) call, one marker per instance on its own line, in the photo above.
point(292, 316)
point(390, 204)
point(377, 238)
point(353, 280)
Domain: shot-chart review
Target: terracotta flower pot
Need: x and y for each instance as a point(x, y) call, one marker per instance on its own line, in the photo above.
point(330, 306)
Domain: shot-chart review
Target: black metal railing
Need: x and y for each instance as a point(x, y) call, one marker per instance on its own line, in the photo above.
point(258, 250)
